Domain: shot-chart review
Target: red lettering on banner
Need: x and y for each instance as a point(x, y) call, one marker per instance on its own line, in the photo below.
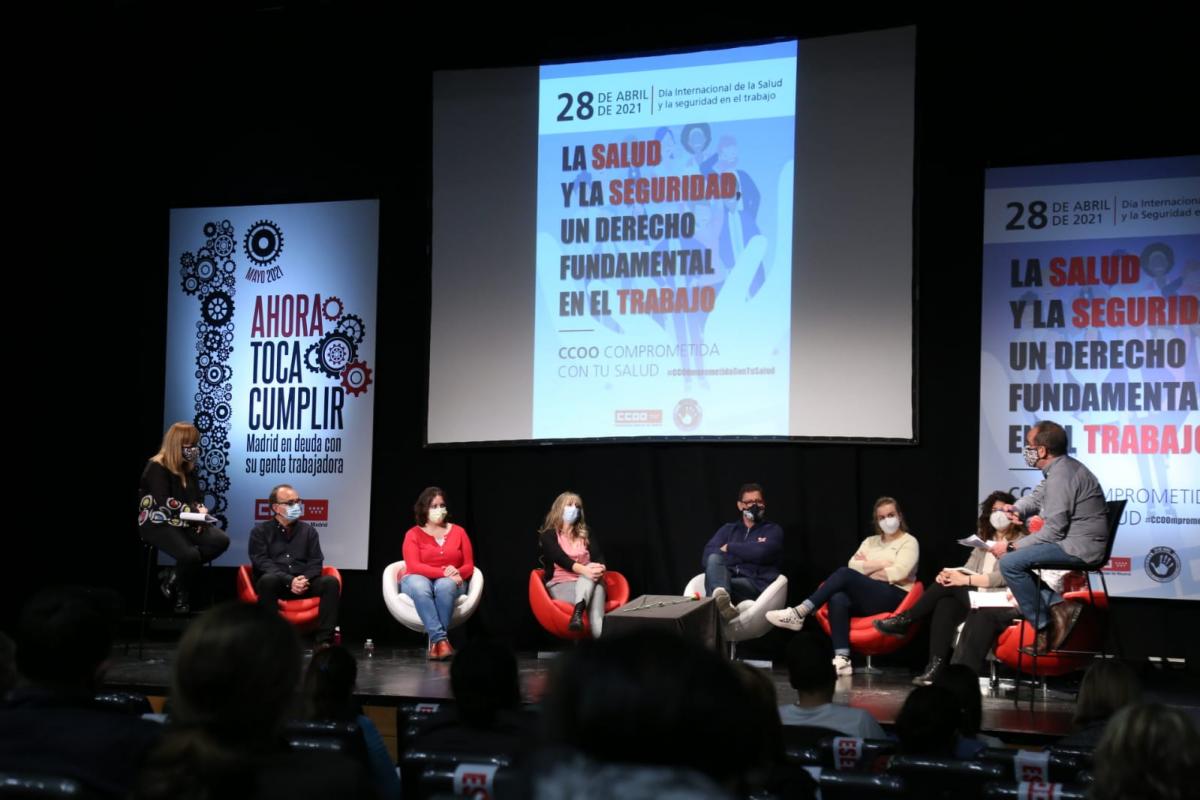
point(1143, 439)
point(1082, 270)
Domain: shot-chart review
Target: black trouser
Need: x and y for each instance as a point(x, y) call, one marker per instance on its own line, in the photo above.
point(949, 606)
point(979, 634)
point(189, 546)
point(277, 586)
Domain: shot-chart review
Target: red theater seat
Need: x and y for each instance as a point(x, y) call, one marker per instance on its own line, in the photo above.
point(864, 639)
point(1077, 652)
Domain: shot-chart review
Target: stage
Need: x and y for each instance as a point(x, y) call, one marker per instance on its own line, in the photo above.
point(402, 675)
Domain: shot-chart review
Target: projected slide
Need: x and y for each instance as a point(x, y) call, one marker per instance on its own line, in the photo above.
point(663, 294)
point(1091, 318)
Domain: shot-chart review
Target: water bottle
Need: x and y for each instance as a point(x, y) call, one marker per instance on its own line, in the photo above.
point(337, 636)
point(369, 648)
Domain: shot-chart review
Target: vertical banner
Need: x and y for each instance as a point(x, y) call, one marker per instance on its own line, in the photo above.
point(270, 353)
point(664, 236)
point(1091, 318)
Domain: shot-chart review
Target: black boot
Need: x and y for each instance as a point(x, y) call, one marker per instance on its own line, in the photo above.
point(168, 580)
point(894, 626)
point(181, 602)
point(576, 623)
point(931, 672)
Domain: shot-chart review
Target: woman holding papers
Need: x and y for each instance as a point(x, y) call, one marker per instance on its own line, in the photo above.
point(171, 512)
point(949, 599)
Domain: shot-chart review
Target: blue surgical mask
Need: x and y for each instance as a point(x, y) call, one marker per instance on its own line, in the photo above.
point(570, 514)
point(295, 512)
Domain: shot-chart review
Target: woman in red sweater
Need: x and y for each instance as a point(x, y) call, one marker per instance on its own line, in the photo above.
point(437, 563)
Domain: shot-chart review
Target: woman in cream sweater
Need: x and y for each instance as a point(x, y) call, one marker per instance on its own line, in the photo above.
point(879, 574)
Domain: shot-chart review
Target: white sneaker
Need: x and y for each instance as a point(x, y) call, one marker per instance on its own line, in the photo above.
point(788, 618)
point(725, 605)
point(843, 666)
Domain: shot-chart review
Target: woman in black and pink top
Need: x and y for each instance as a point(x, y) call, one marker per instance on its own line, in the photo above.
point(574, 568)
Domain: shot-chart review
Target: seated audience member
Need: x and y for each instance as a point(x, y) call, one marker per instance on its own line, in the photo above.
point(233, 686)
point(649, 715)
point(929, 722)
point(51, 725)
point(813, 676)
point(1107, 687)
point(1147, 752)
point(328, 695)
point(486, 715)
point(964, 683)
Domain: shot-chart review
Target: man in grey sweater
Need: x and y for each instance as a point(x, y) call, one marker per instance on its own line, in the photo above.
point(1071, 503)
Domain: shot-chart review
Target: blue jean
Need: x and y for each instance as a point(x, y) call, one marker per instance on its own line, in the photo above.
point(717, 574)
point(434, 601)
point(1024, 585)
point(850, 593)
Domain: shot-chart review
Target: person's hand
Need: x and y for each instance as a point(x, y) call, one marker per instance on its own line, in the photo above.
point(458, 579)
point(451, 572)
point(1011, 510)
point(859, 556)
point(879, 575)
point(942, 577)
point(594, 571)
point(999, 548)
point(955, 578)
point(299, 584)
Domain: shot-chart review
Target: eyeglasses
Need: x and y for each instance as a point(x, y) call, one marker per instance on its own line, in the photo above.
point(293, 502)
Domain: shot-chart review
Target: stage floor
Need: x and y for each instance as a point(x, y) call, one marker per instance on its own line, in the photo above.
point(399, 675)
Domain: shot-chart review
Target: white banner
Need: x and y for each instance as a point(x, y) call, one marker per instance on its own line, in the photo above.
point(270, 353)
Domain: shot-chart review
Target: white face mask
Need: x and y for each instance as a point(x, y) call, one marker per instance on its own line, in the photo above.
point(436, 515)
point(570, 514)
point(889, 525)
point(1000, 520)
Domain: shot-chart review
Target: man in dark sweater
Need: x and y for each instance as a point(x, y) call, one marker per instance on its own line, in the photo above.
point(286, 554)
point(743, 557)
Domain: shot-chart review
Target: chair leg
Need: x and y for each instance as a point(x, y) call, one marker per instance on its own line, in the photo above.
point(1109, 627)
point(149, 552)
point(869, 669)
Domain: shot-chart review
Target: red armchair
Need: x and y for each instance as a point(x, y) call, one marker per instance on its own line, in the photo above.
point(1077, 652)
point(555, 614)
point(864, 639)
point(301, 612)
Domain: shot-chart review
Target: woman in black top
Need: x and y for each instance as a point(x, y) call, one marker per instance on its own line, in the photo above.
point(574, 568)
point(169, 487)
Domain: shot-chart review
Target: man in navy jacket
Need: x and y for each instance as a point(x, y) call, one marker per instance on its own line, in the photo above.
point(743, 557)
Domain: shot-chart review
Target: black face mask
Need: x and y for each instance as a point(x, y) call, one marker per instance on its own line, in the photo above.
point(191, 454)
point(754, 513)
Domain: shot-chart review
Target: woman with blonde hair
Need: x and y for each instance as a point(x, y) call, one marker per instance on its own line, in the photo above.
point(574, 568)
point(876, 579)
point(170, 487)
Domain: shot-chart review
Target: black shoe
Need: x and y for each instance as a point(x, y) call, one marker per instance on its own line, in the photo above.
point(576, 623)
point(168, 581)
point(181, 602)
point(931, 672)
point(894, 626)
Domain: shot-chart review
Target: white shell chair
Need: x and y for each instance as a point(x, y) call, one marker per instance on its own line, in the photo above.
point(401, 605)
point(751, 621)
